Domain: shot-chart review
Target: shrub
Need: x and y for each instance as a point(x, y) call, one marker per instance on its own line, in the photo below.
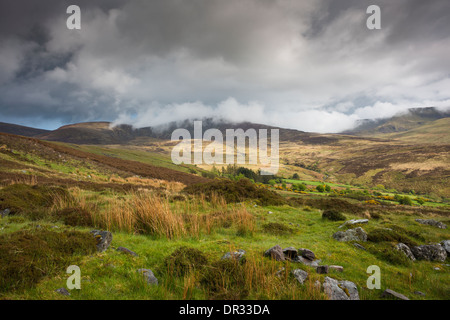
point(184, 260)
point(320, 188)
point(333, 215)
point(42, 253)
point(75, 217)
point(277, 228)
point(22, 198)
point(225, 280)
point(236, 191)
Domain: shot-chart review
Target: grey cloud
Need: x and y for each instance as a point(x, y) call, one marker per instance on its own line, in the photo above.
point(310, 65)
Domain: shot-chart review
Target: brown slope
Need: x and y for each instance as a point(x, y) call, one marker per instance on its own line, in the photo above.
point(49, 150)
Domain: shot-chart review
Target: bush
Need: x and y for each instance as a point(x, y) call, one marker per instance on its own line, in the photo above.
point(42, 253)
point(320, 188)
point(184, 260)
point(22, 198)
point(333, 215)
point(236, 191)
point(225, 280)
point(75, 217)
point(277, 229)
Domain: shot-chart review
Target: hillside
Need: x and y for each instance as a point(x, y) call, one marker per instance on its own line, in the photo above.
point(413, 118)
point(434, 132)
point(21, 130)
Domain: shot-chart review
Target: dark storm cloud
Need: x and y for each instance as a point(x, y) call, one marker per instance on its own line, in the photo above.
point(310, 65)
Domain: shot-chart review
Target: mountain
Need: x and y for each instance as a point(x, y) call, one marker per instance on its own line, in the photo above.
point(21, 130)
point(413, 118)
point(103, 133)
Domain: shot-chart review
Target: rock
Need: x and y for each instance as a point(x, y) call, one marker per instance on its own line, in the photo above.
point(354, 221)
point(307, 262)
point(419, 293)
point(337, 268)
point(63, 291)
point(104, 239)
point(300, 275)
point(433, 223)
point(446, 245)
point(322, 269)
point(149, 276)
point(340, 290)
point(437, 268)
point(406, 250)
point(430, 252)
point(357, 234)
point(5, 213)
point(280, 272)
point(290, 253)
point(392, 293)
point(275, 253)
point(270, 212)
point(307, 254)
point(359, 246)
point(127, 251)
point(238, 255)
point(317, 285)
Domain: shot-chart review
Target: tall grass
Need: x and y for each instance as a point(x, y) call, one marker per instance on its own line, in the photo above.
point(149, 212)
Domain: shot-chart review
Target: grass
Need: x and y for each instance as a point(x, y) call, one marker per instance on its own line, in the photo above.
point(112, 275)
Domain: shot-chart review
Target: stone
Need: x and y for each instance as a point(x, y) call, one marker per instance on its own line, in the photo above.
point(127, 251)
point(104, 239)
point(290, 253)
point(300, 275)
point(336, 268)
point(340, 290)
point(149, 276)
point(433, 223)
point(322, 269)
point(238, 255)
point(317, 285)
point(307, 254)
point(406, 250)
point(307, 262)
point(392, 294)
point(446, 245)
point(5, 213)
point(357, 234)
point(419, 293)
point(63, 291)
point(275, 253)
point(354, 221)
point(430, 252)
point(359, 246)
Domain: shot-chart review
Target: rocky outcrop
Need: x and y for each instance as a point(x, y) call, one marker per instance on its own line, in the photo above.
point(340, 290)
point(388, 293)
point(103, 238)
point(354, 221)
point(275, 253)
point(433, 223)
point(300, 275)
point(127, 251)
point(406, 250)
point(356, 234)
point(446, 245)
point(430, 252)
point(149, 276)
point(237, 255)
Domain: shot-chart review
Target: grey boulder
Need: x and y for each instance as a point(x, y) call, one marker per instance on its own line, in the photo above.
point(406, 250)
point(275, 253)
point(340, 290)
point(430, 252)
point(300, 275)
point(149, 276)
point(433, 223)
point(103, 238)
point(356, 234)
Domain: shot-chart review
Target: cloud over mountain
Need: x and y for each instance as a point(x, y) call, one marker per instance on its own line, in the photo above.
point(308, 65)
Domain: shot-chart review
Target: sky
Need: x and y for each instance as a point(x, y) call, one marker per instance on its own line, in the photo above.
point(311, 65)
